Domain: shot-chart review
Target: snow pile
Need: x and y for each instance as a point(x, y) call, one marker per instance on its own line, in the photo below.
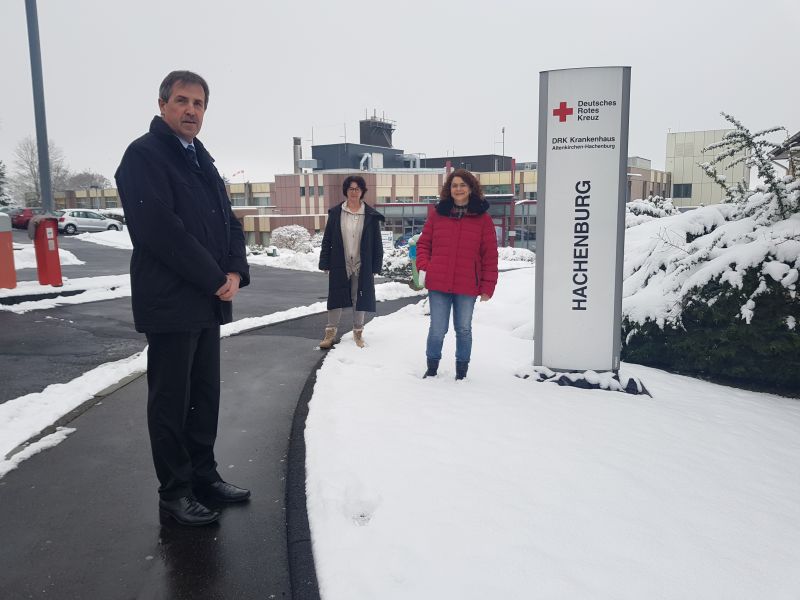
point(81, 290)
point(586, 380)
point(516, 255)
point(288, 259)
point(25, 257)
point(114, 213)
point(114, 239)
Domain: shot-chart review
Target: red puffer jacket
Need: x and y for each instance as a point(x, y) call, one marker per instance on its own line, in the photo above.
point(459, 256)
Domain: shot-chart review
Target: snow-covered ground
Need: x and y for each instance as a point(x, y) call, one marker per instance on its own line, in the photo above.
point(502, 487)
point(91, 289)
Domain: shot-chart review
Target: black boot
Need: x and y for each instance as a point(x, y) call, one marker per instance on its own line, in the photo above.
point(433, 367)
point(461, 369)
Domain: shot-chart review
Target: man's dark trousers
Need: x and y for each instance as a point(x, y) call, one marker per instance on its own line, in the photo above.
point(183, 377)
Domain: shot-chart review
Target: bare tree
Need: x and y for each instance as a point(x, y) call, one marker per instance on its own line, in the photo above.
point(87, 179)
point(26, 170)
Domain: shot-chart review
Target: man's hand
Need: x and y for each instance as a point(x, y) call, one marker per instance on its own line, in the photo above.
point(231, 287)
point(484, 297)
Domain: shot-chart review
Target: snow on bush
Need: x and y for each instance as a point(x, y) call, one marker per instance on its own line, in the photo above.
point(396, 264)
point(776, 198)
point(292, 237)
point(714, 290)
point(641, 211)
point(668, 260)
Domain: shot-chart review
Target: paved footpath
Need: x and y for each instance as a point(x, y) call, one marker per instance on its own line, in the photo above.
point(80, 521)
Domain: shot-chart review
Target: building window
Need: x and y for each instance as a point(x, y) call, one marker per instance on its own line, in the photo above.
point(302, 190)
point(503, 188)
point(682, 190)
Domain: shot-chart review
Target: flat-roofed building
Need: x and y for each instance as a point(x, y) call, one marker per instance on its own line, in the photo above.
point(644, 181)
point(690, 185)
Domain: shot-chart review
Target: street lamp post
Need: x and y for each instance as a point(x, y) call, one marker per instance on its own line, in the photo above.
point(38, 105)
point(503, 131)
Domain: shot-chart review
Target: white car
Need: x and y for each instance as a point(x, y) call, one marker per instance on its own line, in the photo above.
point(73, 220)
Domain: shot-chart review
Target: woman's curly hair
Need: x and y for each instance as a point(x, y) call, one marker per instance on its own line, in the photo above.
point(476, 192)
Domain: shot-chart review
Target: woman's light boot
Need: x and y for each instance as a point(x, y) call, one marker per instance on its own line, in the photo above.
point(330, 336)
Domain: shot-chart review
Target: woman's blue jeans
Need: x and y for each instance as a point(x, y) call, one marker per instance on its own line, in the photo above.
point(440, 304)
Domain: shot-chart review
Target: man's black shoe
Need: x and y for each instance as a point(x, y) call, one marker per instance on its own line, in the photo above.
point(187, 511)
point(222, 491)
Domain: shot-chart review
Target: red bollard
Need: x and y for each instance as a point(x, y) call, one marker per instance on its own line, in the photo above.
point(8, 275)
point(45, 241)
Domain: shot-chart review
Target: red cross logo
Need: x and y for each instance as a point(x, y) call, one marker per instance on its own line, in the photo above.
point(562, 112)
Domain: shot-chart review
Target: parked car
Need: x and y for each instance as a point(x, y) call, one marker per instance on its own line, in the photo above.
point(73, 220)
point(21, 216)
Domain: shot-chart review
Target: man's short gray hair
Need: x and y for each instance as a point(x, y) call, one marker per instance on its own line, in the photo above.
point(185, 77)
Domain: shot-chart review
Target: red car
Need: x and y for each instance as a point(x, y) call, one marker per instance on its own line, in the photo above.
point(21, 216)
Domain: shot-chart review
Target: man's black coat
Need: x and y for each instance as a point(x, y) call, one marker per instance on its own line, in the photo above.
point(185, 236)
point(331, 259)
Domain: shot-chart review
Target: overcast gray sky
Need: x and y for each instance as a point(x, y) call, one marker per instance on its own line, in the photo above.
point(451, 74)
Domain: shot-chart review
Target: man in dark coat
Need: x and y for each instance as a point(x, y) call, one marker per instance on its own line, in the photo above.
point(187, 265)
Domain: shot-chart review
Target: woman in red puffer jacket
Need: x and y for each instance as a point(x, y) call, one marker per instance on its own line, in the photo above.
point(458, 252)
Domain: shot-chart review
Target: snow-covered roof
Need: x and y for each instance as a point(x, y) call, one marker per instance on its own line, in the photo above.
point(782, 153)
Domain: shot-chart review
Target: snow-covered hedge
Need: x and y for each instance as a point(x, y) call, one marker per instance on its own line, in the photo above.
point(709, 293)
point(293, 237)
point(714, 291)
point(396, 264)
point(641, 211)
